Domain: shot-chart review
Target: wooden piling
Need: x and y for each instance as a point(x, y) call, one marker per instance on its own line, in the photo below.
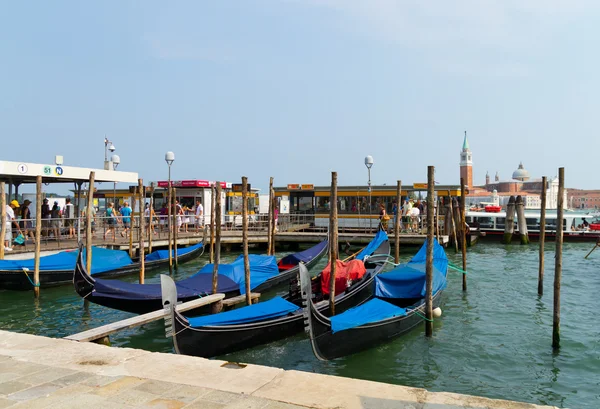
point(142, 251)
point(436, 219)
point(175, 229)
point(131, 222)
point(542, 238)
point(3, 213)
point(212, 223)
point(397, 222)
point(463, 229)
point(521, 221)
point(245, 238)
point(558, 259)
point(88, 224)
point(270, 220)
point(217, 223)
point(38, 236)
point(333, 241)
point(170, 230)
point(274, 224)
point(509, 226)
point(151, 218)
point(451, 212)
point(429, 254)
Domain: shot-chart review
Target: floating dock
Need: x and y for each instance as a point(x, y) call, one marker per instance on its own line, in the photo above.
point(40, 372)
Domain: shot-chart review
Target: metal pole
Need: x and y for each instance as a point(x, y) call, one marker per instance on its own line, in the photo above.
point(370, 222)
point(169, 223)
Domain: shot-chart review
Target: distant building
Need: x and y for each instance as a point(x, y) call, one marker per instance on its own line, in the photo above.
point(584, 199)
point(498, 192)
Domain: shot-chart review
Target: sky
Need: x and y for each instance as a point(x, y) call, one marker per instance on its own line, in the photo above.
point(296, 89)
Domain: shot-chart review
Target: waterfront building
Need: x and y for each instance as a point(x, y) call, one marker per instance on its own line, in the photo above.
point(584, 199)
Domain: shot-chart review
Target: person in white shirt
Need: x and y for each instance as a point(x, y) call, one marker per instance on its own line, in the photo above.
point(199, 216)
point(10, 219)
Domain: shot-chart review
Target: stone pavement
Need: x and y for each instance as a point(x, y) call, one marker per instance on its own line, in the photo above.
point(39, 372)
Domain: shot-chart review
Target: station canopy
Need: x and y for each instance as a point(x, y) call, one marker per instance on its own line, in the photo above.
point(18, 173)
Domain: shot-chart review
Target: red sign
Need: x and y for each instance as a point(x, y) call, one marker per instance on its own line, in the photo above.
point(189, 183)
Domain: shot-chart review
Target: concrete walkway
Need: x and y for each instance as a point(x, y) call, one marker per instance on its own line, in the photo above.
point(38, 372)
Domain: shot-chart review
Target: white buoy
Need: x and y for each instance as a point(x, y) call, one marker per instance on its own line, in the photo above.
point(437, 312)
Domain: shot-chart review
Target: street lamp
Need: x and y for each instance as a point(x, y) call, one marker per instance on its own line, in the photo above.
point(369, 164)
point(169, 158)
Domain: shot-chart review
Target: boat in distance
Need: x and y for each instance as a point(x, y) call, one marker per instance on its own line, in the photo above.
point(265, 321)
point(57, 269)
point(144, 298)
point(398, 306)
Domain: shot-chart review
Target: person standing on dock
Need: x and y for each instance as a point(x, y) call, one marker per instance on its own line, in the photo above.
point(55, 220)
point(69, 216)
point(46, 217)
point(111, 220)
point(199, 216)
point(126, 218)
point(10, 219)
point(26, 222)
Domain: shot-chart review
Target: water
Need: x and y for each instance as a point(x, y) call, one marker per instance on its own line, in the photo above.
point(494, 340)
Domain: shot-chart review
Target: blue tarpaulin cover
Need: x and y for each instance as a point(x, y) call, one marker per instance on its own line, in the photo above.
point(102, 260)
point(261, 269)
point(164, 254)
point(274, 308)
point(408, 280)
point(379, 238)
point(372, 311)
point(304, 256)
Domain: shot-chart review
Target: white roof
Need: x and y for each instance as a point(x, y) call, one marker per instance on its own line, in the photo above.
point(24, 172)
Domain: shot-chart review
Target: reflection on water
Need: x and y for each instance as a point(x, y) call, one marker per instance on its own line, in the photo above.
point(494, 340)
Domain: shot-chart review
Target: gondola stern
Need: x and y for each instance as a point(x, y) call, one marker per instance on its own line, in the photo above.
point(83, 282)
point(309, 310)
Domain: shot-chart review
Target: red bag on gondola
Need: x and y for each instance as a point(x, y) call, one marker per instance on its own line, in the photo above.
point(351, 270)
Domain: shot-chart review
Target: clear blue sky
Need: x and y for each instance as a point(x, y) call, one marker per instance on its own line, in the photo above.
point(296, 89)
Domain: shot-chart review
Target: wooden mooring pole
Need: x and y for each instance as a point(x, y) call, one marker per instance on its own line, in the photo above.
point(217, 221)
point(245, 238)
point(463, 229)
point(3, 213)
point(542, 238)
point(509, 222)
point(212, 223)
point(38, 236)
point(333, 241)
point(397, 217)
point(558, 259)
point(88, 224)
point(270, 219)
point(521, 221)
point(175, 228)
point(450, 213)
point(151, 218)
point(274, 223)
point(429, 257)
point(170, 230)
point(142, 249)
point(131, 222)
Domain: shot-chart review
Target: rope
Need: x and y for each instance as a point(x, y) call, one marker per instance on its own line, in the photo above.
point(453, 267)
point(32, 283)
point(420, 315)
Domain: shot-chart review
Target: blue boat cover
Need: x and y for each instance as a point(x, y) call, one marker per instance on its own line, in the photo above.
point(408, 280)
point(274, 308)
point(195, 286)
point(304, 256)
point(372, 311)
point(261, 269)
point(164, 254)
point(379, 238)
point(102, 260)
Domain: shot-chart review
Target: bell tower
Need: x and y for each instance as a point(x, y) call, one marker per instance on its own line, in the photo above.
point(466, 163)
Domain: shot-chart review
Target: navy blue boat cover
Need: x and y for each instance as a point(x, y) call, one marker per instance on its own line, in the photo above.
point(261, 269)
point(372, 311)
point(102, 260)
point(408, 280)
point(305, 256)
point(274, 308)
point(164, 254)
point(379, 238)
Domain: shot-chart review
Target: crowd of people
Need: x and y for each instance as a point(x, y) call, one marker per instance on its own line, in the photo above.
point(410, 215)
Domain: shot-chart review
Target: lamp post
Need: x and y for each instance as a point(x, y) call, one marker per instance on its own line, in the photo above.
point(169, 158)
point(369, 164)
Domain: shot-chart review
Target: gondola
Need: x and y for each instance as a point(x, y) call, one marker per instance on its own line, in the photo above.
point(398, 306)
point(57, 269)
point(266, 321)
point(143, 298)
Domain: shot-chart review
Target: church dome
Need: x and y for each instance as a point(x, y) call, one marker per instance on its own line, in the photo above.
point(520, 174)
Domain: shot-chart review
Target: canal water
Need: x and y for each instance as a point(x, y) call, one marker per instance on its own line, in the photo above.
point(494, 340)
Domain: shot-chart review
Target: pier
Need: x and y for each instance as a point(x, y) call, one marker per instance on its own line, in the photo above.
point(40, 372)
